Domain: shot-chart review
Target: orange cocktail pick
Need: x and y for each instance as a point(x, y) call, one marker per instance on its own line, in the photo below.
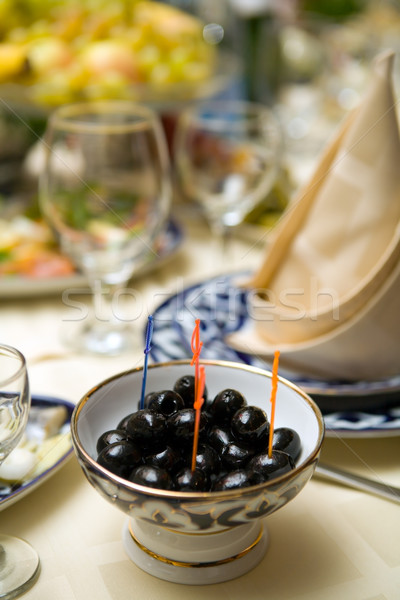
point(196, 346)
point(274, 384)
point(198, 403)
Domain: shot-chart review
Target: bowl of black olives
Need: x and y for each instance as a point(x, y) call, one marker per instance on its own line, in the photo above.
point(196, 517)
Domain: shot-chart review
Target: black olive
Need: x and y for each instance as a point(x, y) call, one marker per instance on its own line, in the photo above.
point(124, 421)
point(120, 458)
point(191, 481)
point(168, 459)
point(181, 426)
point(151, 477)
point(233, 480)
point(250, 426)
point(184, 386)
point(219, 437)
point(146, 401)
point(279, 464)
point(147, 428)
point(153, 446)
point(225, 404)
point(207, 460)
point(287, 440)
point(110, 437)
point(234, 456)
point(165, 402)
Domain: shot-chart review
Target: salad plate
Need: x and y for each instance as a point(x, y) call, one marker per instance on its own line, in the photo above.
point(19, 286)
point(48, 439)
point(362, 408)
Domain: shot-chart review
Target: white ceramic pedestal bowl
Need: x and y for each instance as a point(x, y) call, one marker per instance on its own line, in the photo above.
point(196, 537)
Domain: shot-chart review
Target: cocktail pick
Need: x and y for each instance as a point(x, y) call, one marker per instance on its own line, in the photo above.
point(196, 346)
point(198, 403)
point(274, 387)
point(147, 348)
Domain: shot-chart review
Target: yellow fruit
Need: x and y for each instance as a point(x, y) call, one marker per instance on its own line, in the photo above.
point(12, 61)
point(165, 20)
point(108, 85)
point(48, 54)
point(72, 49)
point(109, 56)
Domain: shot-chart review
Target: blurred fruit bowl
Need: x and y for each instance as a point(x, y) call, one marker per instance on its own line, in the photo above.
point(41, 97)
point(141, 50)
point(23, 117)
point(54, 53)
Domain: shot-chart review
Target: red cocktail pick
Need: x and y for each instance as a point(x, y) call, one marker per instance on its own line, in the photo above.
point(198, 403)
point(196, 346)
point(274, 384)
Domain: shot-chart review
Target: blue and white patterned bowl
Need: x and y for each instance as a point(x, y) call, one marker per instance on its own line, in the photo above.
point(172, 534)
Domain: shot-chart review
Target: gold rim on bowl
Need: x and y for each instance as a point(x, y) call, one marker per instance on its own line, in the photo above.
point(175, 495)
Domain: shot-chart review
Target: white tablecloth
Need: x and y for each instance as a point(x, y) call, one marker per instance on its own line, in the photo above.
point(330, 542)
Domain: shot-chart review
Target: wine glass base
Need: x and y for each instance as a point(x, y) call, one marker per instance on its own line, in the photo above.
point(19, 566)
point(100, 338)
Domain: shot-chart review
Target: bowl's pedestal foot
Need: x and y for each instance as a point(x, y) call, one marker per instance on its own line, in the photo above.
point(195, 558)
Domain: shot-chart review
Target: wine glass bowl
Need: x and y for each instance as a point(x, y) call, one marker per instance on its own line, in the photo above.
point(105, 191)
point(14, 399)
point(195, 537)
point(19, 562)
point(227, 156)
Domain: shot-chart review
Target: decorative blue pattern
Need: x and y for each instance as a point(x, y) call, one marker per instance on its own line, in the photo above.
point(222, 308)
point(385, 423)
point(10, 494)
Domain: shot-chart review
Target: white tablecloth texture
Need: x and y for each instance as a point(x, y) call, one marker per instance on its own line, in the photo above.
point(330, 542)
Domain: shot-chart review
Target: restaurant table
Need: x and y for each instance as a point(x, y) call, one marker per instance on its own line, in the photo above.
point(330, 542)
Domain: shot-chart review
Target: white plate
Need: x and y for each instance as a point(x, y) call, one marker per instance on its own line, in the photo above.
point(17, 491)
point(20, 287)
point(222, 308)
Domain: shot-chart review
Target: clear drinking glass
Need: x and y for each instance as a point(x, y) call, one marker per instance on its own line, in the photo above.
point(105, 191)
point(19, 562)
point(227, 156)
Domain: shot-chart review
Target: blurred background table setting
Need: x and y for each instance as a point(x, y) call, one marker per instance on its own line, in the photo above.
point(133, 135)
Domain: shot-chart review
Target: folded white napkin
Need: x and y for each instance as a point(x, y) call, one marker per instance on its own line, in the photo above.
point(326, 292)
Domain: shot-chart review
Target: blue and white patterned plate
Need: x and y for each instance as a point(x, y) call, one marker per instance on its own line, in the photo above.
point(10, 493)
point(221, 307)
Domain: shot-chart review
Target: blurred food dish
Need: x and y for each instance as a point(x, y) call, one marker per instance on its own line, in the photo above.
point(56, 52)
point(28, 249)
point(32, 264)
point(61, 52)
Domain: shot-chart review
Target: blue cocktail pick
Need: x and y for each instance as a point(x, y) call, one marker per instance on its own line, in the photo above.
point(147, 349)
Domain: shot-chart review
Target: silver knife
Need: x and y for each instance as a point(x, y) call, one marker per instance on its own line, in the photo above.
point(384, 490)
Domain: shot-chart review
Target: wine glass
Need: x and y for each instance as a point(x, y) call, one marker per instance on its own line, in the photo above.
point(19, 562)
point(105, 191)
point(227, 157)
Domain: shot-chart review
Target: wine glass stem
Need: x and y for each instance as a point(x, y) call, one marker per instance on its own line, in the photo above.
point(103, 301)
point(223, 236)
point(108, 330)
point(107, 304)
